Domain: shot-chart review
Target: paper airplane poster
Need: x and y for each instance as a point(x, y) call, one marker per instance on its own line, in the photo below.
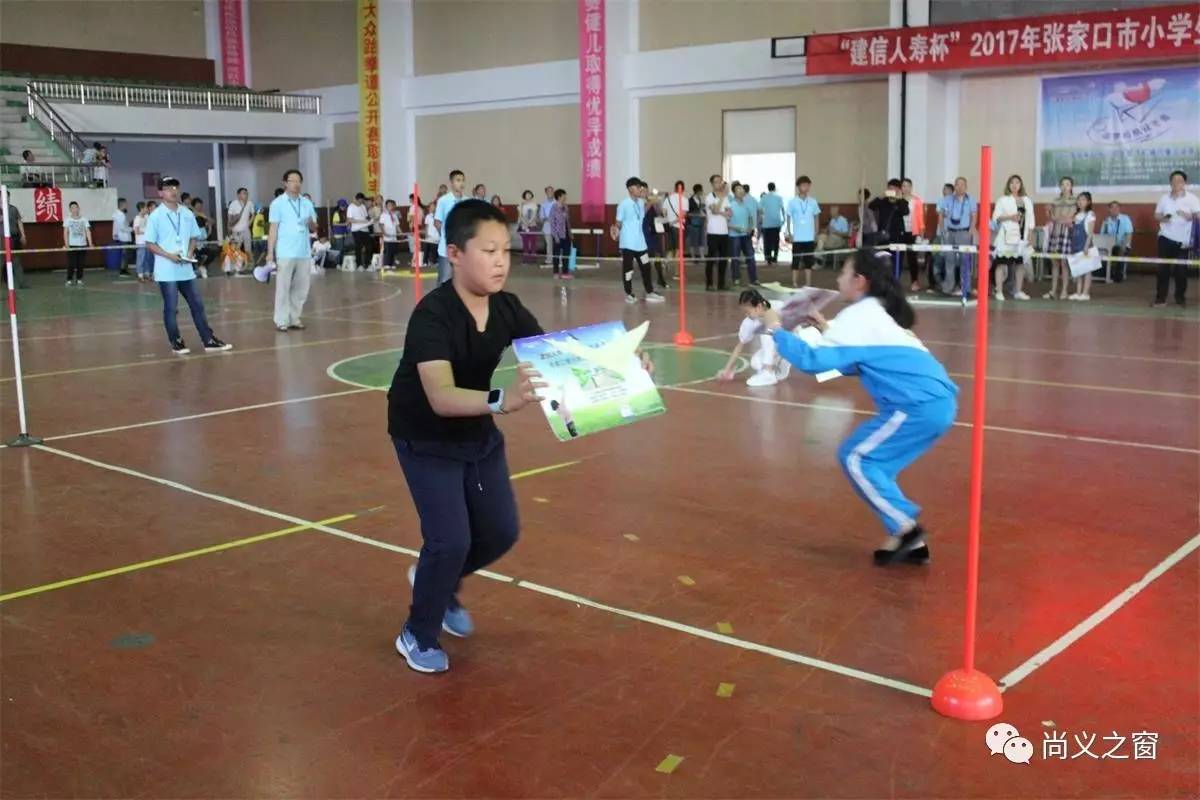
point(595, 380)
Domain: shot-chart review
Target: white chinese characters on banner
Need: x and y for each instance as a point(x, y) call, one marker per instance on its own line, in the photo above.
point(1079, 37)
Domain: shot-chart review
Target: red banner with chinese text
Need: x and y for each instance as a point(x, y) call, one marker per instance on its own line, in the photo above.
point(1139, 34)
point(368, 93)
point(233, 44)
point(593, 142)
point(48, 204)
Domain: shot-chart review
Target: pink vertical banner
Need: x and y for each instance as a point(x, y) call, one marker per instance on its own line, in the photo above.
point(591, 108)
point(233, 47)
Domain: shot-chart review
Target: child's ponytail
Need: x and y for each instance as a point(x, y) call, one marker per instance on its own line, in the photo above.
point(876, 267)
point(751, 297)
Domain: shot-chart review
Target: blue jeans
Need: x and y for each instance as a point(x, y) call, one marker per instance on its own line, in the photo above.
point(742, 247)
point(445, 270)
point(170, 293)
point(145, 261)
point(468, 516)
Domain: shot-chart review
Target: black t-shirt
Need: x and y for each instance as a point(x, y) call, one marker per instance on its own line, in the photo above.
point(442, 329)
point(890, 216)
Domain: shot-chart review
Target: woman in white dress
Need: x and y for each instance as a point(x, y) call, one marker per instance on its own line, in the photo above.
point(1083, 231)
point(1014, 237)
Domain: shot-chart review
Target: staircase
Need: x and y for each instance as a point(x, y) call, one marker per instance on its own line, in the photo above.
point(18, 133)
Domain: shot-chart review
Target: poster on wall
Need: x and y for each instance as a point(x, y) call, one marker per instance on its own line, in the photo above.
point(1119, 130)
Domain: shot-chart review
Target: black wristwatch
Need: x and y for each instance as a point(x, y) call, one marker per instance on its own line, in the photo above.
point(495, 400)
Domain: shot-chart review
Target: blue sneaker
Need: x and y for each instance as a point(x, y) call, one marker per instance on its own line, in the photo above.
point(457, 620)
point(433, 659)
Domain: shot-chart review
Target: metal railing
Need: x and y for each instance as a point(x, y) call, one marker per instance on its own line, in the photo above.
point(48, 173)
point(216, 99)
point(60, 133)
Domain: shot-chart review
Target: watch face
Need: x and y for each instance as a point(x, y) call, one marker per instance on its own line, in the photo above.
point(494, 396)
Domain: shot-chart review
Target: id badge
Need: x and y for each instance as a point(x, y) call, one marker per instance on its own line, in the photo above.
point(645, 259)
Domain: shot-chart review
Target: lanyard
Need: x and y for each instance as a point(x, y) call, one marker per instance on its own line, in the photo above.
point(175, 223)
point(956, 216)
point(805, 208)
point(296, 206)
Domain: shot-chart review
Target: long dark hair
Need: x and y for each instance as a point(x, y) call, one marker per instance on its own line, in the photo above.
point(882, 283)
point(751, 297)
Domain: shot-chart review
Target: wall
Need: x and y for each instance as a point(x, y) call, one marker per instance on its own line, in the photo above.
point(296, 45)
point(172, 28)
point(270, 162)
point(944, 12)
point(72, 63)
point(1002, 111)
point(841, 133)
point(455, 35)
point(679, 23)
point(341, 173)
point(189, 162)
point(538, 147)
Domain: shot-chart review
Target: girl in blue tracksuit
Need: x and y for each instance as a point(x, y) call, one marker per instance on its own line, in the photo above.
point(916, 398)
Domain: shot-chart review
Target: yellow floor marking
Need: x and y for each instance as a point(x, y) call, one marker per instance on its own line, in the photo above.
point(724, 627)
point(108, 573)
point(531, 472)
point(724, 690)
point(668, 764)
point(686, 581)
point(540, 500)
point(633, 537)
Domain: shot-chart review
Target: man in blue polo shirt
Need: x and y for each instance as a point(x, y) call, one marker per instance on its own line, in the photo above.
point(741, 234)
point(771, 208)
point(292, 218)
point(445, 205)
point(802, 213)
point(1120, 227)
point(958, 214)
point(171, 235)
point(632, 241)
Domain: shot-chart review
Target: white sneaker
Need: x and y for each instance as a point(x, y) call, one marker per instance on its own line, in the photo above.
point(999, 296)
point(1084, 297)
point(1020, 296)
point(630, 299)
point(1073, 296)
point(764, 378)
point(783, 369)
point(655, 297)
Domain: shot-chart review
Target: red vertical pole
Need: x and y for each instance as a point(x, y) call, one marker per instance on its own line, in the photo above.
point(683, 337)
point(416, 240)
point(966, 693)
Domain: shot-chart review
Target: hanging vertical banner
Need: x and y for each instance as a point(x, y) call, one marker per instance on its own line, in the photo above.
point(591, 108)
point(233, 43)
point(368, 93)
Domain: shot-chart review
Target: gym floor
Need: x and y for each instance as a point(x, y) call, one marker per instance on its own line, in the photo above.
point(203, 567)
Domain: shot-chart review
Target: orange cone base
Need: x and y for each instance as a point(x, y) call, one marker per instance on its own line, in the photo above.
point(967, 695)
point(684, 339)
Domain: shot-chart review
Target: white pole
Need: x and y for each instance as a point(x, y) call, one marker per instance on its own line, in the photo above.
point(24, 440)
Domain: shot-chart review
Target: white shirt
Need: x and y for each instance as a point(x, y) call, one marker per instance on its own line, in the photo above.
point(391, 227)
point(120, 228)
point(359, 219)
point(1008, 238)
point(671, 214)
point(1176, 228)
point(139, 229)
point(749, 328)
point(240, 211)
point(431, 231)
point(718, 223)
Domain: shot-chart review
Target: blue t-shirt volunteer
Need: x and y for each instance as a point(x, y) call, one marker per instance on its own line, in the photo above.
point(742, 223)
point(772, 210)
point(172, 231)
point(445, 205)
point(630, 213)
point(803, 211)
point(292, 216)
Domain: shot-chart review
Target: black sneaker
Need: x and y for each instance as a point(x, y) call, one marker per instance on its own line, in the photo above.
point(180, 348)
point(214, 344)
point(912, 550)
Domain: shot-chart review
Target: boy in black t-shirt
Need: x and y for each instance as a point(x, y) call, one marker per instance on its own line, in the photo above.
point(440, 410)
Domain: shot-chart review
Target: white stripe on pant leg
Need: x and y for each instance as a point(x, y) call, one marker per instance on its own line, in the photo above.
point(854, 466)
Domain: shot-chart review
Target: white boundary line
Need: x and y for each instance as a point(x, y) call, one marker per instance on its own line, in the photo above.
point(1043, 656)
point(743, 644)
point(221, 412)
point(995, 428)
